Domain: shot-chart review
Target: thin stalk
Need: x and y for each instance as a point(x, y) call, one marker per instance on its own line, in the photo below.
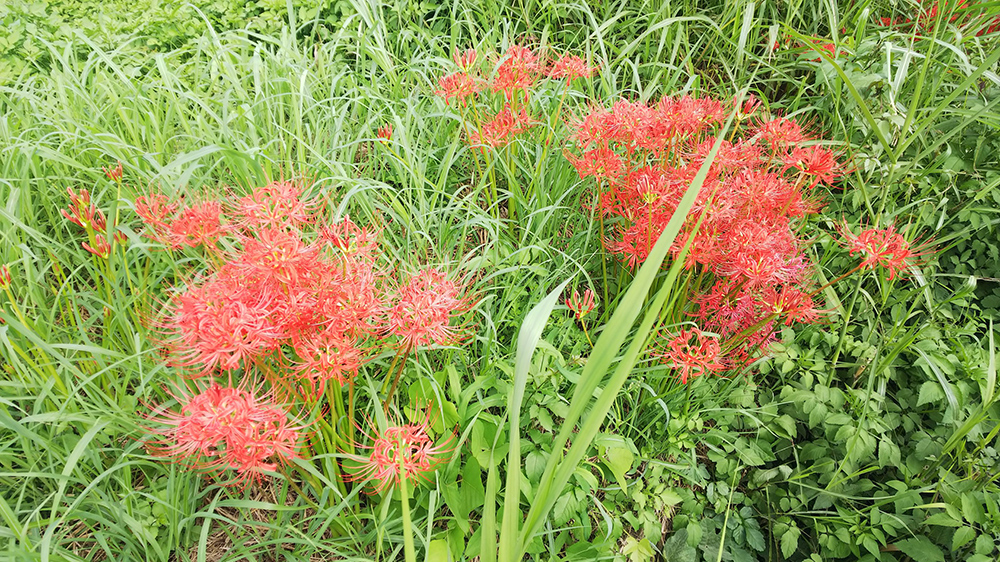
point(408, 550)
point(395, 380)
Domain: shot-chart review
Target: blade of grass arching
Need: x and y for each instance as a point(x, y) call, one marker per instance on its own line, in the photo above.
point(527, 341)
point(858, 98)
point(71, 462)
point(488, 525)
point(13, 523)
point(559, 469)
point(963, 88)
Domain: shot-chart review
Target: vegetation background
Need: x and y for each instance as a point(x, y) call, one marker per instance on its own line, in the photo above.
point(872, 436)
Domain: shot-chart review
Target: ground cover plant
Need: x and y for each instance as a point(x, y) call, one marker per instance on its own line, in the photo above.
point(684, 281)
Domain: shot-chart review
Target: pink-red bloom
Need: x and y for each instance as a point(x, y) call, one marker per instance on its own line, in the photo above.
point(424, 308)
point(4, 276)
point(82, 211)
point(114, 174)
point(459, 85)
point(571, 67)
point(401, 451)
point(691, 353)
point(465, 59)
point(499, 130)
point(221, 429)
point(880, 247)
point(581, 305)
point(384, 133)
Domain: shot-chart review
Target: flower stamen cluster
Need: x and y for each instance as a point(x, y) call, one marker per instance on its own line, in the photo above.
point(222, 428)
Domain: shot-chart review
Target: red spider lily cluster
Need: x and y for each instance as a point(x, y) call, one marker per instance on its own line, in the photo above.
point(958, 12)
point(512, 76)
point(401, 451)
point(292, 301)
point(228, 428)
point(85, 214)
point(742, 236)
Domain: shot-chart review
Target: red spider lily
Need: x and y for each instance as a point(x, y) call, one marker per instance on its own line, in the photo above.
point(350, 239)
point(384, 133)
point(114, 174)
point(570, 67)
point(224, 428)
point(101, 248)
point(459, 85)
point(814, 162)
point(327, 355)
point(465, 59)
point(880, 247)
point(792, 303)
point(519, 70)
point(279, 204)
point(425, 306)
point(82, 211)
point(581, 306)
point(401, 451)
point(781, 134)
point(692, 353)
point(197, 225)
point(4, 276)
point(155, 210)
point(601, 163)
point(501, 128)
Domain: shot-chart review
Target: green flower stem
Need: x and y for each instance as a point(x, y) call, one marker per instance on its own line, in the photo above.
point(408, 550)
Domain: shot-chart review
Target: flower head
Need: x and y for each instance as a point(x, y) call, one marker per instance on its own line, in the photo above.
point(199, 224)
point(571, 67)
point(4, 276)
point(222, 428)
point(82, 211)
point(458, 85)
point(692, 353)
point(114, 174)
point(401, 451)
point(581, 306)
point(384, 133)
point(426, 304)
point(880, 247)
point(465, 59)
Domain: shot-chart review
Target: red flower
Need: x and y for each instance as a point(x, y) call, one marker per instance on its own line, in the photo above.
point(501, 129)
point(692, 353)
point(155, 210)
point(601, 163)
point(571, 67)
point(279, 204)
point(422, 314)
point(581, 306)
point(4, 276)
point(384, 133)
point(114, 174)
point(519, 70)
point(466, 59)
point(458, 85)
point(880, 247)
point(101, 248)
point(815, 162)
point(197, 225)
point(224, 428)
point(83, 213)
point(401, 451)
